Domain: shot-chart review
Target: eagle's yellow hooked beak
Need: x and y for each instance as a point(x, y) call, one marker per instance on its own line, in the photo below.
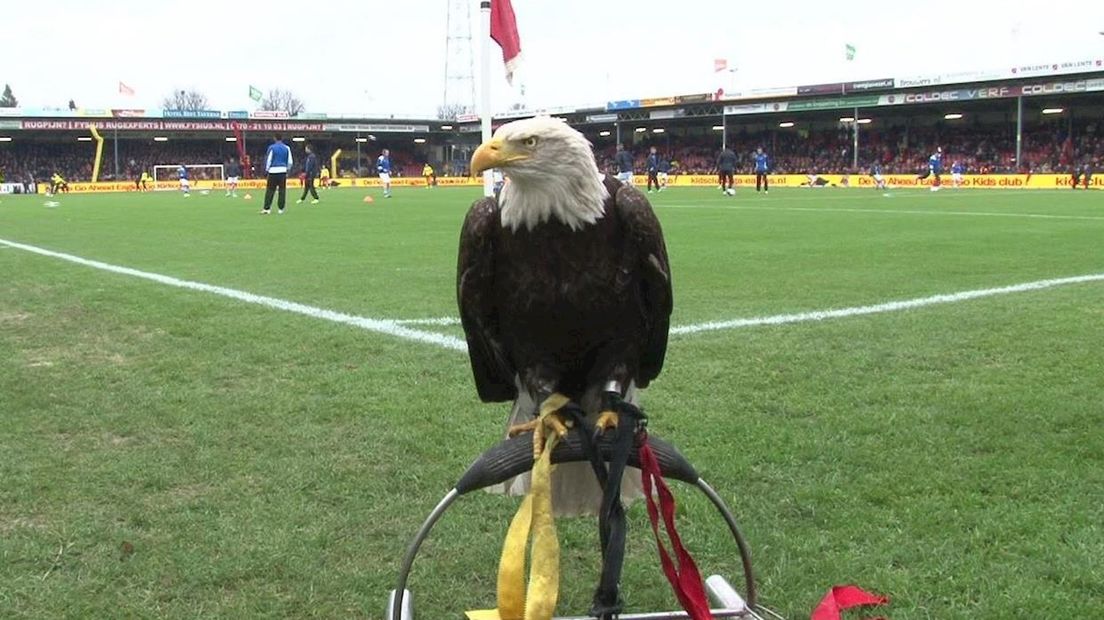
point(494, 154)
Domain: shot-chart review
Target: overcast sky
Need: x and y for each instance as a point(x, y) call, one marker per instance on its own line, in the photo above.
point(389, 57)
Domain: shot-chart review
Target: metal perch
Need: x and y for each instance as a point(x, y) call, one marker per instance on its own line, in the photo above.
point(514, 456)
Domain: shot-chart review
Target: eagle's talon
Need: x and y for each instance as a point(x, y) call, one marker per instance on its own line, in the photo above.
point(607, 421)
point(558, 423)
point(548, 423)
point(524, 427)
point(548, 420)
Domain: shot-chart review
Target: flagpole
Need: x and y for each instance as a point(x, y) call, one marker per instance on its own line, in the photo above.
point(855, 147)
point(485, 85)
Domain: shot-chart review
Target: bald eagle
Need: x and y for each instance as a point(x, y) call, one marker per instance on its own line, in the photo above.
point(564, 287)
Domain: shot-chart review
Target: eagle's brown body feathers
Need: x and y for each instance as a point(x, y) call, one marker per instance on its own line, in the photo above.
point(564, 310)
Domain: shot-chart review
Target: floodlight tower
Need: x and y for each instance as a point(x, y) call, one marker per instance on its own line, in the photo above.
point(459, 59)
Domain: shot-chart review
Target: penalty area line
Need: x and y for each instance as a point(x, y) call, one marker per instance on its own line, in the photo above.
point(380, 326)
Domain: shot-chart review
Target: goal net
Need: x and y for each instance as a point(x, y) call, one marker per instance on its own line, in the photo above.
point(165, 176)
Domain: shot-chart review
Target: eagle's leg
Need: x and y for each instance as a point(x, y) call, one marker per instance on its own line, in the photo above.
point(607, 417)
point(549, 419)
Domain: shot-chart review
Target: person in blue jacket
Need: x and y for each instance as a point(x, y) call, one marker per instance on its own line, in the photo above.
point(762, 167)
point(277, 164)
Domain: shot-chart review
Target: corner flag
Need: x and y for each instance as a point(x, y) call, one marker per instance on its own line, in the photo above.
point(504, 32)
point(255, 93)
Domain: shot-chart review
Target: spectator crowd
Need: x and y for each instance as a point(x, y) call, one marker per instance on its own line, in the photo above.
point(898, 150)
point(25, 161)
point(981, 149)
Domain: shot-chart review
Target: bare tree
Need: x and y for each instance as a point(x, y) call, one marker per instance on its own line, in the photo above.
point(282, 100)
point(450, 111)
point(8, 100)
point(185, 100)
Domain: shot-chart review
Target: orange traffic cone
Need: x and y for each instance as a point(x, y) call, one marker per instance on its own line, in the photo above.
point(369, 199)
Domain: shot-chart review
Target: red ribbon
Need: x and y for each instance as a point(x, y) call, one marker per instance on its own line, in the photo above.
point(840, 598)
point(686, 581)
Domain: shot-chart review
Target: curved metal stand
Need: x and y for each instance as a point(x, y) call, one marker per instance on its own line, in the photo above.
point(745, 554)
point(508, 459)
point(416, 544)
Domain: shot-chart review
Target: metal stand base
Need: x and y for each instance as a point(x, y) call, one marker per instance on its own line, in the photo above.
point(729, 605)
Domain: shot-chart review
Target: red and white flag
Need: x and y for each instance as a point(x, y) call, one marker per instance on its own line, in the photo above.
point(125, 90)
point(720, 64)
point(504, 32)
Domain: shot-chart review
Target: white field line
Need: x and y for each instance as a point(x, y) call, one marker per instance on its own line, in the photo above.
point(444, 321)
point(892, 306)
point(736, 207)
point(821, 315)
point(382, 326)
point(397, 328)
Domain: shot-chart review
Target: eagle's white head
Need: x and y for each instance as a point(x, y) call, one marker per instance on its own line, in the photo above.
point(551, 172)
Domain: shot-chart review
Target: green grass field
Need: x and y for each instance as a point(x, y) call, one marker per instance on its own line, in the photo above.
point(171, 453)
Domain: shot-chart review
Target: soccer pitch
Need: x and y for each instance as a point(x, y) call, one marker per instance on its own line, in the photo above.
point(176, 443)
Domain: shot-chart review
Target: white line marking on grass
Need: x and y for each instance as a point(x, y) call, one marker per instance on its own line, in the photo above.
point(892, 306)
point(397, 328)
point(390, 328)
point(444, 321)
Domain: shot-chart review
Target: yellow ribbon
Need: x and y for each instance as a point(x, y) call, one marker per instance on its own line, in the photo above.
point(538, 601)
point(511, 566)
point(544, 574)
point(482, 614)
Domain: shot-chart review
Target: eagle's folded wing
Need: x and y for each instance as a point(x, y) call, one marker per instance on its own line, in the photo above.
point(493, 372)
point(642, 228)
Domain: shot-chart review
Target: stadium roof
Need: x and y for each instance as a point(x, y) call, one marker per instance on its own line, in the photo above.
point(1055, 79)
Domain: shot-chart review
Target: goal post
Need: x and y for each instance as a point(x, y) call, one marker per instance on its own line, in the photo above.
point(165, 177)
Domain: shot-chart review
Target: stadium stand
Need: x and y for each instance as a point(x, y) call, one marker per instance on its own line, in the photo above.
point(986, 150)
point(979, 132)
point(73, 160)
point(983, 150)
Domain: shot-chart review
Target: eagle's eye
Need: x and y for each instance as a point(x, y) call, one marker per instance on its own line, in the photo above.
point(531, 141)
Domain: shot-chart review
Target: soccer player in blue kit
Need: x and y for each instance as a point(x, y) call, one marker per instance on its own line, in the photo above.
point(879, 180)
point(383, 168)
point(935, 168)
point(182, 174)
point(957, 170)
